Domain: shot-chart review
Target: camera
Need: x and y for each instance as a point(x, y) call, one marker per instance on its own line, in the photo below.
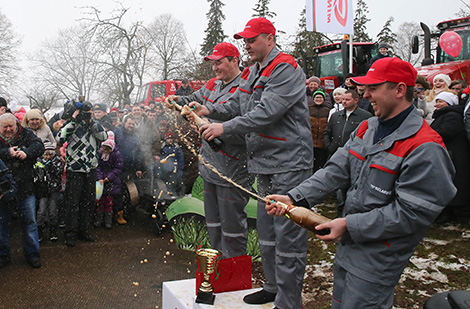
point(83, 106)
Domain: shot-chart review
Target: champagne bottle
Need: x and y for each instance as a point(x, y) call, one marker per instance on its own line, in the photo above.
point(216, 143)
point(305, 218)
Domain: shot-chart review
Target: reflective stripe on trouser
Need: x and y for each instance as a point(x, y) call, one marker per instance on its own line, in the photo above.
point(350, 291)
point(225, 213)
point(283, 245)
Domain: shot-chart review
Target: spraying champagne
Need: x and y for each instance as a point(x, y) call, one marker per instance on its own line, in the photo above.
point(216, 143)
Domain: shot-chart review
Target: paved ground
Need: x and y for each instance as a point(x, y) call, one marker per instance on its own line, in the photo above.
point(124, 268)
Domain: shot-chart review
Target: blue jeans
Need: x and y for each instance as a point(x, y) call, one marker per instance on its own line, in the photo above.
point(27, 212)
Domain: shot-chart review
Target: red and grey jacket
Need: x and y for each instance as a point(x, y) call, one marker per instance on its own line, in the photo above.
point(270, 108)
point(231, 160)
point(395, 189)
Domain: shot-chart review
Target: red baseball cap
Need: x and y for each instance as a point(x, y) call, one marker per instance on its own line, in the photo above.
point(388, 69)
point(255, 27)
point(222, 50)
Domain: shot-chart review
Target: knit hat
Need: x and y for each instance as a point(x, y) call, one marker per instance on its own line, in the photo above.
point(384, 45)
point(448, 97)
point(444, 77)
point(314, 79)
point(339, 90)
point(320, 92)
point(3, 102)
point(48, 145)
point(110, 141)
point(14, 106)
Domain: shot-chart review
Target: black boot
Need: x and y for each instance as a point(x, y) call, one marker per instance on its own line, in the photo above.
point(70, 239)
point(259, 298)
point(108, 220)
point(53, 233)
point(40, 233)
point(98, 219)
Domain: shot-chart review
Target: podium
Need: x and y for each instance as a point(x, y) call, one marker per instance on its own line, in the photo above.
point(181, 294)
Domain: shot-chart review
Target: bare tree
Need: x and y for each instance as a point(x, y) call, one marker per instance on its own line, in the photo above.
point(122, 53)
point(168, 45)
point(404, 44)
point(9, 44)
point(43, 96)
point(69, 63)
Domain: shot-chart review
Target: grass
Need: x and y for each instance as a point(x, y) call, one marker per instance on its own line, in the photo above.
point(191, 233)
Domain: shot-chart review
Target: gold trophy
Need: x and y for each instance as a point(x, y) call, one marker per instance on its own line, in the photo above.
point(207, 261)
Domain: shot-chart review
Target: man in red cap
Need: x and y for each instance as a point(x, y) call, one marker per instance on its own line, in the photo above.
point(270, 109)
point(224, 204)
point(389, 168)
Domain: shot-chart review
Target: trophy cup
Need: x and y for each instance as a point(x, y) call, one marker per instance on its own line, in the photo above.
point(207, 261)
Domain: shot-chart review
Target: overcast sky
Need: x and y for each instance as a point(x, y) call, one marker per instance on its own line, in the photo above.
point(37, 20)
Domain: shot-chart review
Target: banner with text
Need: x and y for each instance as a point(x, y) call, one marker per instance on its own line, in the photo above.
point(330, 16)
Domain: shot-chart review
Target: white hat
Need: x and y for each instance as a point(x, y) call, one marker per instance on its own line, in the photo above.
point(448, 97)
point(444, 77)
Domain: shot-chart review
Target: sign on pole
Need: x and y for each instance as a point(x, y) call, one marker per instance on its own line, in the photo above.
point(330, 16)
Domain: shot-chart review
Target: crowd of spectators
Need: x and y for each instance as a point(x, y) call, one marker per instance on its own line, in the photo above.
point(61, 162)
point(52, 158)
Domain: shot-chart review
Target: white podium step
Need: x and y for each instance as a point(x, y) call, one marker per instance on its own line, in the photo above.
point(181, 294)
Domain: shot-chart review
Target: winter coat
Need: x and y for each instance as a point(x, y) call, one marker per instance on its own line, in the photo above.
point(45, 134)
point(272, 111)
point(377, 57)
point(339, 128)
point(448, 122)
point(318, 121)
point(83, 140)
point(51, 180)
point(129, 147)
point(231, 160)
point(22, 169)
point(395, 189)
point(110, 169)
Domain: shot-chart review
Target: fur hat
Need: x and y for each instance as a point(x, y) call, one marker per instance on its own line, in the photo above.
point(420, 79)
point(314, 79)
point(444, 77)
point(110, 141)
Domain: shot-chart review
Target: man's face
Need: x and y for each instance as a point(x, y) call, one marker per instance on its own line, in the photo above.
point(223, 69)
point(129, 125)
point(349, 103)
point(258, 47)
point(152, 116)
point(382, 99)
point(418, 89)
point(3, 110)
point(8, 128)
point(137, 112)
point(98, 114)
point(457, 87)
